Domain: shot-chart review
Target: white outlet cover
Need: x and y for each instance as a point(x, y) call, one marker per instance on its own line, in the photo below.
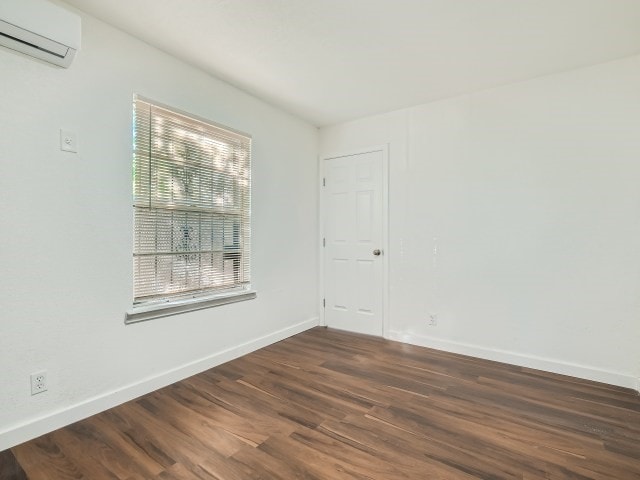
point(68, 141)
point(38, 382)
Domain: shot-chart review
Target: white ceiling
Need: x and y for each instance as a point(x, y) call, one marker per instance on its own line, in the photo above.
point(333, 60)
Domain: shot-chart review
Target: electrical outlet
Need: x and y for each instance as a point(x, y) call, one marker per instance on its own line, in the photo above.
point(433, 319)
point(68, 141)
point(38, 382)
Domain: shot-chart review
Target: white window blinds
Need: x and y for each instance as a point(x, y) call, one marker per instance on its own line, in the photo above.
point(191, 182)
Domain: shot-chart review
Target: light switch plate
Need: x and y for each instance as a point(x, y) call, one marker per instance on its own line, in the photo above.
point(68, 141)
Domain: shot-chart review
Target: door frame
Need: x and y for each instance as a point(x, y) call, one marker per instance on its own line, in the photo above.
point(384, 148)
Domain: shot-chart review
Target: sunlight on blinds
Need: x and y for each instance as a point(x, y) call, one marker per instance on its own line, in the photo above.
point(191, 182)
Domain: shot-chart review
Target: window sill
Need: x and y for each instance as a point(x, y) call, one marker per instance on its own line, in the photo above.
point(148, 312)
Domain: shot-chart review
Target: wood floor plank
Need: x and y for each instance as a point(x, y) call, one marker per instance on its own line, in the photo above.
point(10, 469)
point(326, 405)
point(396, 444)
point(43, 458)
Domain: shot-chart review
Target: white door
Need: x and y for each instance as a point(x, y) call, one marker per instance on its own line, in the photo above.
point(353, 229)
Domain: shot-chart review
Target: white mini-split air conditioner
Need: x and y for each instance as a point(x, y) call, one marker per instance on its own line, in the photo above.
point(40, 29)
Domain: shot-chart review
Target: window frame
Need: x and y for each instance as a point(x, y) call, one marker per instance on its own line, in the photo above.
point(182, 302)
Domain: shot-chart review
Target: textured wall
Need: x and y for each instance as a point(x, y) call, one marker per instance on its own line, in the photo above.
point(66, 244)
point(514, 216)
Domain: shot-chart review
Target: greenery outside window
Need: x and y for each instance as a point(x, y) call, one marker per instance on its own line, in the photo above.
point(191, 208)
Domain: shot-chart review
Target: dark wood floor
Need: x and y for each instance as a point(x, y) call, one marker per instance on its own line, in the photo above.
point(331, 405)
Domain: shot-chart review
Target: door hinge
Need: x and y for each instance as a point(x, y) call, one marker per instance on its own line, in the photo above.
point(324, 303)
point(324, 242)
point(324, 182)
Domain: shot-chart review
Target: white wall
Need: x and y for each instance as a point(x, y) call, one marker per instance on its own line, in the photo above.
point(66, 243)
point(530, 194)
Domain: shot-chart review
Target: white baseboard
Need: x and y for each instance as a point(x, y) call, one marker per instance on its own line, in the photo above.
point(57, 419)
point(521, 360)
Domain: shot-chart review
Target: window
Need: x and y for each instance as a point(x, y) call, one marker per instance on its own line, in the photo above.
point(192, 232)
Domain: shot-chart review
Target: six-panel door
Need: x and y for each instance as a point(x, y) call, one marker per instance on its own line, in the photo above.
point(353, 268)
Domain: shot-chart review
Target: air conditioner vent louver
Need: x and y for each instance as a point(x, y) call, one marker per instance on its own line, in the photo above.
point(40, 29)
